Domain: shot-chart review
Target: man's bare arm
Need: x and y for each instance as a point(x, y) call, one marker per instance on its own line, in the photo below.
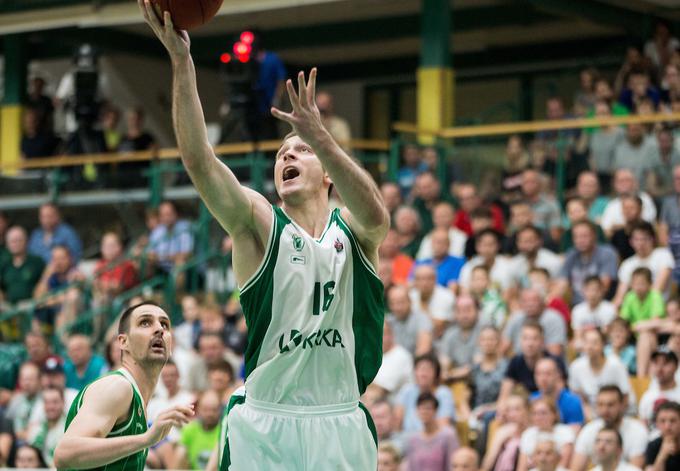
point(84, 445)
point(366, 212)
point(234, 206)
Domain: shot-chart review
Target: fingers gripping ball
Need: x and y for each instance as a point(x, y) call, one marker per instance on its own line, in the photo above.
point(189, 14)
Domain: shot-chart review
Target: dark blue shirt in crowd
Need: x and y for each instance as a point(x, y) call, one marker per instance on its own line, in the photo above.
point(272, 71)
point(520, 373)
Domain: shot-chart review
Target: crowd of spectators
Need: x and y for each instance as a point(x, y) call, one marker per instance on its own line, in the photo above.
point(521, 332)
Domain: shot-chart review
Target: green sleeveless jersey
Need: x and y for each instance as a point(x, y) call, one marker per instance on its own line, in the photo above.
point(136, 424)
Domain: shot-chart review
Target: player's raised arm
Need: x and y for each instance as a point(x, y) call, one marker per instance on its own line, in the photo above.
point(368, 215)
point(84, 444)
point(235, 207)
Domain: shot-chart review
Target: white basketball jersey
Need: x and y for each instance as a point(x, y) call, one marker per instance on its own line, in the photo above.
point(314, 310)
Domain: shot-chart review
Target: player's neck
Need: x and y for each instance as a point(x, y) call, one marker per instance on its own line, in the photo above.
point(145, 377)
point(312, 216)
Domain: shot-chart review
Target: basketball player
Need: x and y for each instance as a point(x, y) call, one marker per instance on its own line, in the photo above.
point(308, 286)
point(106, 427)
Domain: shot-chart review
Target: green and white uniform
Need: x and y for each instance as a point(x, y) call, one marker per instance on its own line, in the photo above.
point(314, 310)
point(136, 424)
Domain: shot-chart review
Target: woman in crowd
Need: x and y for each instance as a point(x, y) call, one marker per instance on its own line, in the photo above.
point(545, 419)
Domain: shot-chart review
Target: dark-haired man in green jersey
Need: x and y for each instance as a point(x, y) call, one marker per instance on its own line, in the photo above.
point(106, 427)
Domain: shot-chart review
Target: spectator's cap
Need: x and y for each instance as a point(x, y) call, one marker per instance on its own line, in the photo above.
point(52, 366)
point(665, 352)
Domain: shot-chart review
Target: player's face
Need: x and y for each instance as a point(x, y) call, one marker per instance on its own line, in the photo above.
point(150, 338)
point(298, 173)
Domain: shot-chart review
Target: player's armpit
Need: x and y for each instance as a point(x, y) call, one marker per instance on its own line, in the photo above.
point(369, 239)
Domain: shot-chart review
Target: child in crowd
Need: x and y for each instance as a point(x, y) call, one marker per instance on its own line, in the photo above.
point(642, 302)
point(594, 311)
point(539, 278)
point(492, 307)
point(619, 336)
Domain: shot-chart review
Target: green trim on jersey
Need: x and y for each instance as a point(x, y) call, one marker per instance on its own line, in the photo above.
point(257, 295)
point(224, 458)
point(135, 425)
point(369, 421)
point(368, 313)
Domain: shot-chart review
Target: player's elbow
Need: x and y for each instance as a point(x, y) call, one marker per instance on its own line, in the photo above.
point(61, 458)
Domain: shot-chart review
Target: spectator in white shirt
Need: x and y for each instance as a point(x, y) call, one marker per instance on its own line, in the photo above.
point(659, 261)
point(546, 454)
point(611, 408)
point(608, 451)
point(594, 369)
point(545, 420)
point(624, 183)
point(431, 299)
point(397, 364)
point(532, 254)
point(487, 244)
point(443, 216)
point(664, 365)
point(593, 312)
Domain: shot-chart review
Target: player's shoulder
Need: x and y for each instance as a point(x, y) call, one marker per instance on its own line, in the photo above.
point(110, 389)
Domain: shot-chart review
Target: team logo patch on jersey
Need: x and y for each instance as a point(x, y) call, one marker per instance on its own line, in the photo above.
point(339, 246)
point(298, 242)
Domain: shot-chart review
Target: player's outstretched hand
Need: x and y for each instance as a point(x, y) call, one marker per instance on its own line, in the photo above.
point(304, 117)
point(176, 42)
point(177, 416)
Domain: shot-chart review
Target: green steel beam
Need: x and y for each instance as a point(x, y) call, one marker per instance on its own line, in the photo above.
point(16, 68)
point(14, 6)
point(355, 33)
point(600, 52)
point(601, 13)
point(435, 33)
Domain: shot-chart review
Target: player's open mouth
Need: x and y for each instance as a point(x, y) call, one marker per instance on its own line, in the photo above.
point(290, 173)
point(158, 344)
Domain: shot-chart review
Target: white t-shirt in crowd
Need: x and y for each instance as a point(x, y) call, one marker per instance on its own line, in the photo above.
point(583, 379)
point(440, 305)
point(501, 272)
point(396, 369)
point(633, 433)
point(652, 395)
point(623, 466)
point(457, 240)
point(613, 212)
point(561, 434)
point(159, 404)
point(660, 259)
point(583, 316)
point(544, 259)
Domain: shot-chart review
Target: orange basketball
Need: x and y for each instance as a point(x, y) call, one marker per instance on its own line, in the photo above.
point(190, 14)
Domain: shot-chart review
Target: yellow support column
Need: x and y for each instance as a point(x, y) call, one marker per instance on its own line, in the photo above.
point(16, 66)
point(435, 100)
point(435, 77)
point(10, 136)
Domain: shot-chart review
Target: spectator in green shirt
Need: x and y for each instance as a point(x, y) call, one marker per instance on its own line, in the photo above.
point(20, 272)
point(199, 437)
point(642, 302)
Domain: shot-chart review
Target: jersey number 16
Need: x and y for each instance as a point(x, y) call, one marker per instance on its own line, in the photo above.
point(327, 297)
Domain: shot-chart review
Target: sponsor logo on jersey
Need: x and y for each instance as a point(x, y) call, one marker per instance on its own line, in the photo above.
point(298, 259)
point(298, 242)
point(339, 246)
point(320, 338)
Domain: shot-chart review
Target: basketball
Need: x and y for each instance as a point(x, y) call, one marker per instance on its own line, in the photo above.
point(190, 14)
